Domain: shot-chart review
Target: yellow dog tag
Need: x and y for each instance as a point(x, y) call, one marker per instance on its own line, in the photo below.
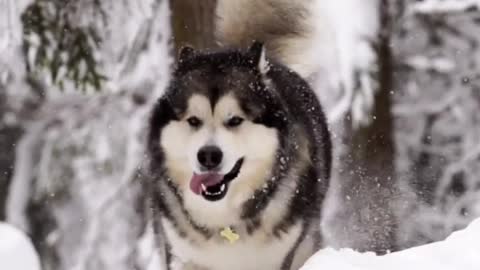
point(230, 235)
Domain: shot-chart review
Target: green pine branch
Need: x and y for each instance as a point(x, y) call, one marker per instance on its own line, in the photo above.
point(64, 50)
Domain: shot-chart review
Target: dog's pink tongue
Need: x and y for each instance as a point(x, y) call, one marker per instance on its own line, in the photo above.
point(208, 179)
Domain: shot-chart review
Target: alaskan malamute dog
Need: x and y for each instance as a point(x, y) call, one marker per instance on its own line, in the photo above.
point(240, 157)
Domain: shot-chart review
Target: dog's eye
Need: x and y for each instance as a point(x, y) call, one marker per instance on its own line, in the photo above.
point(194, 122)
point(234, 121)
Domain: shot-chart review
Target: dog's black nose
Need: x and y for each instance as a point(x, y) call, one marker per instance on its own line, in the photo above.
point(210, 157)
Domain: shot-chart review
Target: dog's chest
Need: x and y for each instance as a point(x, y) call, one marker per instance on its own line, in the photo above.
point(258, 251)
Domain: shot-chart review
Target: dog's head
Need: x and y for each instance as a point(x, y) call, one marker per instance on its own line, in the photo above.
point(215, 134)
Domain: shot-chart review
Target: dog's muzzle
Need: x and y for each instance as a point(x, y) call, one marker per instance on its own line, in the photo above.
point(214, 186)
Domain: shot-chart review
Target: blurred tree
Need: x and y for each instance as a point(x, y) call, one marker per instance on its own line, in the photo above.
point(9, 135)
point(53, 48)
point(367, 164)
point(76, 188)
point(437, 115)
point(54, 44)
point(193, 23)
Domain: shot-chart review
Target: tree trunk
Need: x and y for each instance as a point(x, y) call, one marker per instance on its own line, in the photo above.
point(9, 136)
point(367, 176)
point(193, 23)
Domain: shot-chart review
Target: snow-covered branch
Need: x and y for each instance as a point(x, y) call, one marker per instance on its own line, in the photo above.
point(427, 108)
point(443, 6)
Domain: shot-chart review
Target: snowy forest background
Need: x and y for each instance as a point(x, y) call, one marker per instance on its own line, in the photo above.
point(78, 79)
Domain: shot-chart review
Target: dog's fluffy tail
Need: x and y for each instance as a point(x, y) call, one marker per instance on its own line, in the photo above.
point(293, 31)
point(328, 42)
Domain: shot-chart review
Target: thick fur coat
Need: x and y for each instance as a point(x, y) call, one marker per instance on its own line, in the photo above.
point(275, 163)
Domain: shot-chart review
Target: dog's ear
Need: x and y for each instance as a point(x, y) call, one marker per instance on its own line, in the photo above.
point(185, 53)
point(258, 58)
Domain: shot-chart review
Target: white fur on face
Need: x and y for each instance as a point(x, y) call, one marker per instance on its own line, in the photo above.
point(256, 143)
point(180, 142)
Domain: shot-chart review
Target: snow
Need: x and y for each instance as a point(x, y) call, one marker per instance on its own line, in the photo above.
point(355, 24)
point(444, 6)
point(16, 250)
point(11, 52)
point(10, 23)
point(459, 251)
point(439, 64)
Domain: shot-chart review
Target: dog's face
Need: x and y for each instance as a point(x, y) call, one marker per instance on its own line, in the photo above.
point(219, 137)
point(213, 146)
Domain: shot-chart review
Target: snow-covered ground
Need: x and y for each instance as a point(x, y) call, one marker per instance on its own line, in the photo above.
point(459, 251)
point(16, 250)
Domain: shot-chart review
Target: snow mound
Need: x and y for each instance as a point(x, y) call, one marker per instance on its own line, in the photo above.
point(460, 251)
point(16, 250)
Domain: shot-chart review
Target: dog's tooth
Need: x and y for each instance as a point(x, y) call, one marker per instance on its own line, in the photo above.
point(222, 188)
point(204, 188)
